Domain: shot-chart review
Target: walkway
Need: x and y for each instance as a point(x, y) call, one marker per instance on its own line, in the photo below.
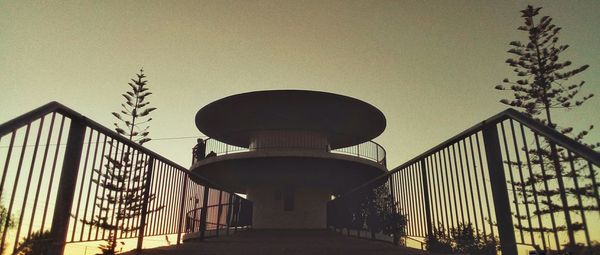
point(266, 242)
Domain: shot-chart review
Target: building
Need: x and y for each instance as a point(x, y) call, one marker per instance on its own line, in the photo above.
point(289, 151)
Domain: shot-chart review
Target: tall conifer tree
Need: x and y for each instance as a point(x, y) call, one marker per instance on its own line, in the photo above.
point(123, 177)
point(542, 87)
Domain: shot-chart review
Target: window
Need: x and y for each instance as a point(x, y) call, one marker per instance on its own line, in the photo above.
point(277, 195)
point(288, 199)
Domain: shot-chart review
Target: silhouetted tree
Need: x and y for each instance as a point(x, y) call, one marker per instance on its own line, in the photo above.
point(543, 86)
point(123, 176)
point(382, 214)
point(462, 239)
point(36, 244)
point(135, 111)
point(440, 241)
point(5, 220)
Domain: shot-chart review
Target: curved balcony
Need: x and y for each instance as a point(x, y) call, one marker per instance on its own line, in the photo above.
point(369, 150)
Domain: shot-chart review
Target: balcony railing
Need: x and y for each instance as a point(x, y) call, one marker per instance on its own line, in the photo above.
point(499, 177)
point(218, 219)
point(369, 150)
point(50, 162)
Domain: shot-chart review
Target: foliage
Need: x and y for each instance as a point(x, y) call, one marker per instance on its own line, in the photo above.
point(382, 214)
point(593, 249)
point(123, 177)
point(463, 239)
point(36, 244)
point(375, 210)
point(135, 111)
point(110, 247)
point(440, 241)
point(4, 217)
point(542, 77)
point(543, 86)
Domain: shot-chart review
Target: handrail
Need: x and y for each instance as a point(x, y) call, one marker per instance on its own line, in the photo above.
point(560, 139)
point(54, 106)
point(73, 163)
point(369, 150)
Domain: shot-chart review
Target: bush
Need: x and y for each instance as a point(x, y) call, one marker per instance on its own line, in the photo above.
point(463, 239)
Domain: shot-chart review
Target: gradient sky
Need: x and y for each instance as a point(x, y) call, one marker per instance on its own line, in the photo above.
point(429, 66)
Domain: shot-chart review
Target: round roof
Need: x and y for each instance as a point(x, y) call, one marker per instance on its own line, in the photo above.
point(346, 121)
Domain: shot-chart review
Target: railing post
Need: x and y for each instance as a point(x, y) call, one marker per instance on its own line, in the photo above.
point(204, 212)
point(181, 209)
point(395, 208)
point(147, 185)
point(66, 187)
point(426, 197)
point(228, 222)
point(495, 166)
point(219, 211)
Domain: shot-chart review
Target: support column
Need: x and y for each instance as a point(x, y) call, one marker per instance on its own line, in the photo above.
point(426, 197)
point(204, 213)
point(147, 185)
point(508, 243)
point(66, 187)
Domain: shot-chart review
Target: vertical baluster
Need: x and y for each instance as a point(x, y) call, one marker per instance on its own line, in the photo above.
point(533, 188)
point(483, 183)
point(90, 186)
point(512, 182)
point(426, 200)
point(79, 198)
point(52, 172)
point(7, 221)
point(522, 182)
point(42, 168)
point(547, 188)
point(579, 200)
point(182, 207)
point(31, 170)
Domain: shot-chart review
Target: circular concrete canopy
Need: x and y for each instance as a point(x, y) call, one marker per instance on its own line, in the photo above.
point(346, 121)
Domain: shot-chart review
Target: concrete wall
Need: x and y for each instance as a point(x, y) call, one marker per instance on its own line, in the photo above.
point(309, 211)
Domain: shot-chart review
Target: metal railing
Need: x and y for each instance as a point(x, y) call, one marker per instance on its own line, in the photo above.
point(369, 150)
point(226, 216)
point(51, 159)
point(501, 177)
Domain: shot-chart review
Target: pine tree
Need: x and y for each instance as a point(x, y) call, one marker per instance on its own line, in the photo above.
point(542, 87)
point(135, 111)
point(123, 177)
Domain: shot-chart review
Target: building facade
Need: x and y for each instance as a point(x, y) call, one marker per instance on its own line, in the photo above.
point(290, 151)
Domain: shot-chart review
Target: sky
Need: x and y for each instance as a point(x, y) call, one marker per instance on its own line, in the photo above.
point(429, 66)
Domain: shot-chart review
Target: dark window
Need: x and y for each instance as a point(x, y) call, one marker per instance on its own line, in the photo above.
point(288, 199)
point(277, 194)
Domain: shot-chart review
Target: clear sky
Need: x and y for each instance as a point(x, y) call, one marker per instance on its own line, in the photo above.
point(430, 66)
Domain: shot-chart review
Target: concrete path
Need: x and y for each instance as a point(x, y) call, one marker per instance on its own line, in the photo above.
point(266, 242)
